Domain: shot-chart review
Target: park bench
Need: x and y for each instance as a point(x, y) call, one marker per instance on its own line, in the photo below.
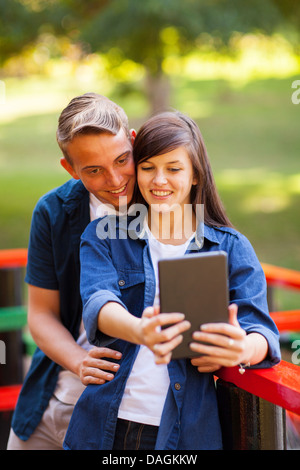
point(253, 406)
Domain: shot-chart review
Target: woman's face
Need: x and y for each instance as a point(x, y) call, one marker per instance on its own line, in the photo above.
point(167, 179)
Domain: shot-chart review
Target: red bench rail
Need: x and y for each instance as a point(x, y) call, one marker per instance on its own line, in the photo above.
point(15, 258)
point(8, 397)
point(274, 275)
point(281, 277)
point(279, 385)
point(288, 320)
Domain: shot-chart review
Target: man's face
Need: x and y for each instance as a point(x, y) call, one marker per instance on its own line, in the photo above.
point(104, 164)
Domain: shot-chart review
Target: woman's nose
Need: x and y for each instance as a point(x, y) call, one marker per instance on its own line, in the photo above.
point(159, 178)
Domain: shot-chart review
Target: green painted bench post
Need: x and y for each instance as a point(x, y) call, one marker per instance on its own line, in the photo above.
point(12, 320)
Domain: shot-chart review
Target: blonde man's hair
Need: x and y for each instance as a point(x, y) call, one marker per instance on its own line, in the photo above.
point(89, 114)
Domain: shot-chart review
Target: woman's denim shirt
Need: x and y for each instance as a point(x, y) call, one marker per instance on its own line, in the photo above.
point(119, 269)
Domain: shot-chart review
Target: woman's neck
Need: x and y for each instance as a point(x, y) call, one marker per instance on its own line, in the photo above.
point(173, 227)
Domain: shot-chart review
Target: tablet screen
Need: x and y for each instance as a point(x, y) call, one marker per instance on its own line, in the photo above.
point(197, 286)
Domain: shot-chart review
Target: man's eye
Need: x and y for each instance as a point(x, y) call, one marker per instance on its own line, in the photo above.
point(122, 161)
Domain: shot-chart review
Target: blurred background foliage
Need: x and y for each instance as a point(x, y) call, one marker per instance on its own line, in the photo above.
point(229, 64)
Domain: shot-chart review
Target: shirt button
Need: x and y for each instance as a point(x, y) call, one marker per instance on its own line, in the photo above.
point(177, 386)
point(121, 283)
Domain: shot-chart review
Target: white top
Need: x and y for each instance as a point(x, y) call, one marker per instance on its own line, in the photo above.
point(147, 386)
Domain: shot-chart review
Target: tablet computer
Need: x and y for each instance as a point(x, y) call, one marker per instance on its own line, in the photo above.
point(196, 285)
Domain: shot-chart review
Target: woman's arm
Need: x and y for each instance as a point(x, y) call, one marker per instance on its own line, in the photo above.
point(114, 320)
point(253, 337)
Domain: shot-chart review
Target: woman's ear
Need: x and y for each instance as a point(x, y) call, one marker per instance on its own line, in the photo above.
point(195, 180)
point(68, 167)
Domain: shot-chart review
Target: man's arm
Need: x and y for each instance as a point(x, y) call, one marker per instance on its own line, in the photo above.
point(58, 344)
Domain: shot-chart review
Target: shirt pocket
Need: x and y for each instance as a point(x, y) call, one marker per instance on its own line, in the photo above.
point(132, 286)
point(129, 279)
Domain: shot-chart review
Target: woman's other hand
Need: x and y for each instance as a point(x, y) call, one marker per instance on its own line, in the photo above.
point(226, 345)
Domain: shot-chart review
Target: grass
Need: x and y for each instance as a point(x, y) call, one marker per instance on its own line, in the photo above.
point(251, 133)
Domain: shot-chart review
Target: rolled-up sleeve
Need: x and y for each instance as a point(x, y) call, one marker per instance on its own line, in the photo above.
point(98, 282)
point(247, 288)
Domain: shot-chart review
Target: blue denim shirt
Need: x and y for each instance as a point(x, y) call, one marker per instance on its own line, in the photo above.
point(120, 270)
point(58, 221)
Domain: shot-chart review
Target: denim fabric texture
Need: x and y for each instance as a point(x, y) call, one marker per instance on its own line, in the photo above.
point(119, 269)
point(134, 436)
point(58, 221)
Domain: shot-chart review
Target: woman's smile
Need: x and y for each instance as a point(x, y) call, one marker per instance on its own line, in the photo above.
point(161, 194)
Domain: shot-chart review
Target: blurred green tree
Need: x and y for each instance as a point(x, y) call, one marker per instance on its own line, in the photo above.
point(148, 31)
point(22, 21)
point(16, 27)
point(145, 32)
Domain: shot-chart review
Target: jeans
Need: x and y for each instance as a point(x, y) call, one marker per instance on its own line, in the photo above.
point(134, 436)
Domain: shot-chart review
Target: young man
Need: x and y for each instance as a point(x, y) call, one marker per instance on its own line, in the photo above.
point(96, 143)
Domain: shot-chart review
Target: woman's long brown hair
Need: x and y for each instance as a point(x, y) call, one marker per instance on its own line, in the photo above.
point(166, 132)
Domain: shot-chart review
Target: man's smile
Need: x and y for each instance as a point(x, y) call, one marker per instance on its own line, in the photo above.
point(120, 190)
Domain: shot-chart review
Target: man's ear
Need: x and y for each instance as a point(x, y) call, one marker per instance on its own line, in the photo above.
point(133, 135)
point(68, 167)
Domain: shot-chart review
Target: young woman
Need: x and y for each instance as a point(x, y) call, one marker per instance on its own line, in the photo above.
point(155, 402)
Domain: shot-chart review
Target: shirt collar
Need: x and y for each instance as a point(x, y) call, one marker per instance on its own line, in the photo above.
point(72, 193)
point(210, 234)
point(203, 232)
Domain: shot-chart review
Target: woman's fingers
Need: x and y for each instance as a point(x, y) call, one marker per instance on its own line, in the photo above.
point(232, 312)
point(163, 332)
point(168, 326)
point(150, 312)
point(232, 341)
point(204, 365)
point(219, 344)
point(232, 331)
point(163, 351)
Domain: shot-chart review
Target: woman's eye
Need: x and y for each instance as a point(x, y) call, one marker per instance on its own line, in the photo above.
point(146, 168)
point(173, 170)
